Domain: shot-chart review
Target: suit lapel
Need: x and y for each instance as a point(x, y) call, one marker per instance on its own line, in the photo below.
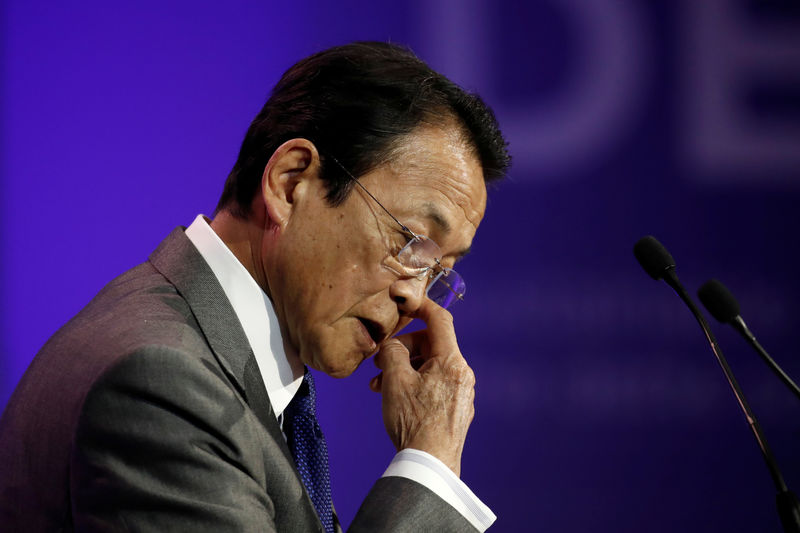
point(178, 260)
point(259, 402)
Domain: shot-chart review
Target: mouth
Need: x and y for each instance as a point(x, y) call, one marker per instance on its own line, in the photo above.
point(374, 329)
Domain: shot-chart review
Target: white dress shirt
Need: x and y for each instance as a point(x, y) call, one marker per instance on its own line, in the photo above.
point(282, 376)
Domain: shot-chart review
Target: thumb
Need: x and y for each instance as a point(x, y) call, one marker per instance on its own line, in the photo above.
point(376, 382)
point(392, 356)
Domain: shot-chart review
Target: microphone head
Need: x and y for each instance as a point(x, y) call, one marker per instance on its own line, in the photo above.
point(719, 301)
point(653, 257)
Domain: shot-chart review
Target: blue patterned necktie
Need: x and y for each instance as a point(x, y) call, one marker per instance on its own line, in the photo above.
point(307, 444)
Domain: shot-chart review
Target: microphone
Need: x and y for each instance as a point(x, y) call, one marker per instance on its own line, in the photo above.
point(659, 264)
point(722, 305)
point(654, 258)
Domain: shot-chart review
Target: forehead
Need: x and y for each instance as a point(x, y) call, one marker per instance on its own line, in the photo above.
point(435, 182)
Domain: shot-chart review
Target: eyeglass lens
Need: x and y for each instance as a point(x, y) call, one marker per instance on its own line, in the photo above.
point(446, 288)
point(445, 285)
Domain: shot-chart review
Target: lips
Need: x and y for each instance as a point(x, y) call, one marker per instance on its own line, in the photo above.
point(375, 329)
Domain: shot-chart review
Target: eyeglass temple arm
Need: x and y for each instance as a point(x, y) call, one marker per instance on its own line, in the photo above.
point(459, 296)
point(355, 180)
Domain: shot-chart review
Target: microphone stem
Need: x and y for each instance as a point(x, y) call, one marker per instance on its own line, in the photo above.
point(741, 327)
point(672, 280)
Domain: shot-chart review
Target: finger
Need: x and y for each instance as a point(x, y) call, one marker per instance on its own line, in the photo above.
point(392, 356)
point(376, 382)
point(415, 342)
point(440, 332)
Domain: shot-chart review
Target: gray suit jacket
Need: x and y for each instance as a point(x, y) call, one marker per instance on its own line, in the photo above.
point(147, 412)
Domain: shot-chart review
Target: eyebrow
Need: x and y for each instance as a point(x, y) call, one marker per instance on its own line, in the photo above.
point(433, 214)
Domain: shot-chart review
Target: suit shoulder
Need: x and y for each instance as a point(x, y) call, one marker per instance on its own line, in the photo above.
point(136, 314)
point(136, 309)
point(172, 378)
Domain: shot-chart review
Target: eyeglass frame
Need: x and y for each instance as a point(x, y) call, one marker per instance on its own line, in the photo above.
point(420, 238)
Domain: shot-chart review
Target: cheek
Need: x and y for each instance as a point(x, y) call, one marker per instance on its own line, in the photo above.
point(328, 334)
point(354, 270)
point(347, 286)
point(327, 293)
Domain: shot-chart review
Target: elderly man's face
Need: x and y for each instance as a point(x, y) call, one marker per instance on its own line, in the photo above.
point(336, 298)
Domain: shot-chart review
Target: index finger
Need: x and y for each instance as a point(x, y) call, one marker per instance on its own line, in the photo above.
point(440, 331)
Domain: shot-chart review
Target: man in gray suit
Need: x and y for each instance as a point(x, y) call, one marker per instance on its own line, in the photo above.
point(170, 401)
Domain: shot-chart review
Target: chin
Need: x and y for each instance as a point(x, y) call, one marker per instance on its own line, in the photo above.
point(337, 366)
point(339, 374)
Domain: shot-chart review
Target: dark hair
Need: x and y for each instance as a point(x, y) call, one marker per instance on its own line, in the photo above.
point(355, 103)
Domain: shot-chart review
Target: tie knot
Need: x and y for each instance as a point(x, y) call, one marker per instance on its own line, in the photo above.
point(308, 384)
point(305, 400)
point(304, 403)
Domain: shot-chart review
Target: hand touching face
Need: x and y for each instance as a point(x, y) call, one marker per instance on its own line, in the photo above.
point(335, 298)
point(427, 388)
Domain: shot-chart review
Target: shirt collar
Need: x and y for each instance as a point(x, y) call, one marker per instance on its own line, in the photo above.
point(254, 310)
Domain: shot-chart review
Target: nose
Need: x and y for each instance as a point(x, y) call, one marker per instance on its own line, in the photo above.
point(408, 293)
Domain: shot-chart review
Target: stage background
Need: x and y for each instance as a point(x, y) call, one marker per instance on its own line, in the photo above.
point(599, 405)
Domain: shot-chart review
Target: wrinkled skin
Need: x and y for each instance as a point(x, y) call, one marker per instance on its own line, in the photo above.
point(324, 268)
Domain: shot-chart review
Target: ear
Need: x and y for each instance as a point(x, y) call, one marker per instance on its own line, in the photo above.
point(292, 168)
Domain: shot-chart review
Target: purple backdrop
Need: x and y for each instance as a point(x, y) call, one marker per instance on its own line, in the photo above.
point(599, 405)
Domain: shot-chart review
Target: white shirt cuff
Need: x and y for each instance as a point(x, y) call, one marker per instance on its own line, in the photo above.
point(429, 471)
